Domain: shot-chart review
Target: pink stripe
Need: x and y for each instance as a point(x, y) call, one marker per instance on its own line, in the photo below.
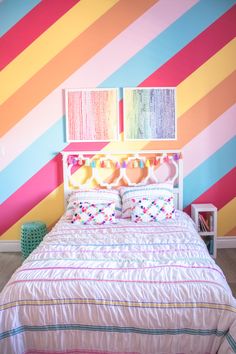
point(209, 140)
point(128, 232)
point(121, 49)
point(119, 268)
point(113, 281)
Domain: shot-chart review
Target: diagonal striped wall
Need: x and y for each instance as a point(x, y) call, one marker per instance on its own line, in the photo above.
point(189, 44)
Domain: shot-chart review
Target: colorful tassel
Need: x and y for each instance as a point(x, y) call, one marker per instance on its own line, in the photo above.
point(102, 164)
point(108, 164)
point(117, 164)
point(124, 165)
point(87, 162)
point(93, 164)
point(147, 164)
point(135, 164)
point(156, 161)
point(80, 162)
point(176, 157)
point(166, 158)
point(141, 164)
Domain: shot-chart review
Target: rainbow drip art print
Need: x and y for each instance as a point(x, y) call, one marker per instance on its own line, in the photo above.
point(150, 113)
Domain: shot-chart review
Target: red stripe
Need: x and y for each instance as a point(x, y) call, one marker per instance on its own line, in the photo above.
point(37, 187)
point(30, 27)
point(221, 193)
point(195, 57)
point(195, 53)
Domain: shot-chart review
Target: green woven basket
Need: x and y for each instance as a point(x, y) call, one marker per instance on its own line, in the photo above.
point(32, 234)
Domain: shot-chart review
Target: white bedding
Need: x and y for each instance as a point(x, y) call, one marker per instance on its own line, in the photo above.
point(122, 288)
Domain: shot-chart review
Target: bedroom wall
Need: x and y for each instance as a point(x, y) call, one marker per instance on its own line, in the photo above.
point(47, 46)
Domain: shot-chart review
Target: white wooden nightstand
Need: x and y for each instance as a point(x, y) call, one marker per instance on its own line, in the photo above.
point(205, 218)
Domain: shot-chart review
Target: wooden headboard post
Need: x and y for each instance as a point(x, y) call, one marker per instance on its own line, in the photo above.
point(91, 159)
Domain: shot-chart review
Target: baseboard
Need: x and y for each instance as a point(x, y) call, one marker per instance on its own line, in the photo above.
point(226, 242)
point(10, 246)
point(14, 245)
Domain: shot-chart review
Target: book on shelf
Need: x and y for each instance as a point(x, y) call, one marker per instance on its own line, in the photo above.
point(203, 224)
point(209, 243)
point(211, 224)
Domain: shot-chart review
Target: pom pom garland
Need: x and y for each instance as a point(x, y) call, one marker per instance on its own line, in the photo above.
point(137, 161)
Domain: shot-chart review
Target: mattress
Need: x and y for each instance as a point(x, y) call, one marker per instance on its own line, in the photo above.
point(119, 288)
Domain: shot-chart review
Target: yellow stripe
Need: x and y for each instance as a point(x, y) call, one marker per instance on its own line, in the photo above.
point(50, 209)
point(226, 218)
point(50, 43)
point(206, 77)
point(117, 303)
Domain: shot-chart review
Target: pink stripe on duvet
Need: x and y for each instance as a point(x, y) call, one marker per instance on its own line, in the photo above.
point(119, 268)
point(82, 351)
point(114, 281)
point(78, 351)
point(123, 232)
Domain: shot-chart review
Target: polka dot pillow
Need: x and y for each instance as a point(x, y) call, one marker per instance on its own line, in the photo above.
point(151, 210)
point(91, 213)
point(92, 196)
point(154, 191)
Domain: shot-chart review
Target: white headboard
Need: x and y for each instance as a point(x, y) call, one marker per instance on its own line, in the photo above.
point(149, 161)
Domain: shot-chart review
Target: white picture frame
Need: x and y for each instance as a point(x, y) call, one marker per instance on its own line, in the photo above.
point(92, 114)
point(150, 113)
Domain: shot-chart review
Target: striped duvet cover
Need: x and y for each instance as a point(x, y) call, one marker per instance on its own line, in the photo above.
point(122, 288)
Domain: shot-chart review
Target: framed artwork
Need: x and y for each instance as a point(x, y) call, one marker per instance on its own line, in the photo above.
point(150, 113)
point(92, 114)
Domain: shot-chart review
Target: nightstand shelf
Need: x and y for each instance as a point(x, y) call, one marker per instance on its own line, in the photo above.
point(205, 218)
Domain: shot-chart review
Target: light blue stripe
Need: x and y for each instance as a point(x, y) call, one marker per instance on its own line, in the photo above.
point(146, 188)
point(210, 171)
point(32, 160)
point(79, 327)
point(44, 148)
point(116, 260)
point(11, 11)
point(124, 244)
point(168, 43)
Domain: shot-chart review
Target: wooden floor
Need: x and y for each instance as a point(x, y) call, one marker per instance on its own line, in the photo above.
point(226, 259)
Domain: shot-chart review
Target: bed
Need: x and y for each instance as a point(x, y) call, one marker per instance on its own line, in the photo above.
point(123, 287)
